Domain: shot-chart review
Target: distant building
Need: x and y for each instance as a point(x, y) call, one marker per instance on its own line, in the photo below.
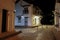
point(27, 15)
point(57, 13)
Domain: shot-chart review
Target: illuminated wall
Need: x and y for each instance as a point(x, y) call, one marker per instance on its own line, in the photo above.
point(57, 8)
point(19, 11)
point(36, 20)
point(9, 6)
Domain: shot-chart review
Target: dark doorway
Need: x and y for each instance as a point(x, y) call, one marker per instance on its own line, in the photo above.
point(26, 21)
point(4, 14)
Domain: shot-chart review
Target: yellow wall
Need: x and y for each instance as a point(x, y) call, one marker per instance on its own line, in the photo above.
point(37, 21)
point(10, 22)
point(57, 19)
point(9, 6)
point(0, 20)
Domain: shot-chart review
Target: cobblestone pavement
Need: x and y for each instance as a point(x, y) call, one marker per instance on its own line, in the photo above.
point(35, 34)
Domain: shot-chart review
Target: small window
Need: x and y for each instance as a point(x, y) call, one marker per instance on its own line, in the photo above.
point(26, 21)
point(19, 19)
point(25, 11)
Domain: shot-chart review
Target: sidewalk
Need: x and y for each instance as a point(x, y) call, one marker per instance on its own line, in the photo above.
point(7, 35)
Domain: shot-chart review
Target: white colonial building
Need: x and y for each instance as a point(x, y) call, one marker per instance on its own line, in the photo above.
point(27, 15)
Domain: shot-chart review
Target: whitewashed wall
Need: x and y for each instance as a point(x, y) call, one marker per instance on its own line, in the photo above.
point(19, 11)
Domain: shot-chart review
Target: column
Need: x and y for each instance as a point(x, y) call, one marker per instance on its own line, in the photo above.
point(0, 20)
point(56, 18)
point(10, 21)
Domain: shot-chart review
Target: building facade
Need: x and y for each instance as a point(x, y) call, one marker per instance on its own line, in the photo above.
point(57, 14)
point(26, 15)
point(7, 15)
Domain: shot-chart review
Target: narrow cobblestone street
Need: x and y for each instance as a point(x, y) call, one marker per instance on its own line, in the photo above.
point(34, 34)
point(29, 19)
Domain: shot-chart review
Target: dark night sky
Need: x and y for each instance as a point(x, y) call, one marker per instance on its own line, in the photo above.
point(43, 4)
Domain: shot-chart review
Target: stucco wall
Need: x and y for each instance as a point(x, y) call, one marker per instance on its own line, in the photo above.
point(0, 20)
point(57, 8)
point(9, 6)
point(19, 11)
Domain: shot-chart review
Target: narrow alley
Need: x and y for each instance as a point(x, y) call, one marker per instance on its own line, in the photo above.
point(29, 19)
